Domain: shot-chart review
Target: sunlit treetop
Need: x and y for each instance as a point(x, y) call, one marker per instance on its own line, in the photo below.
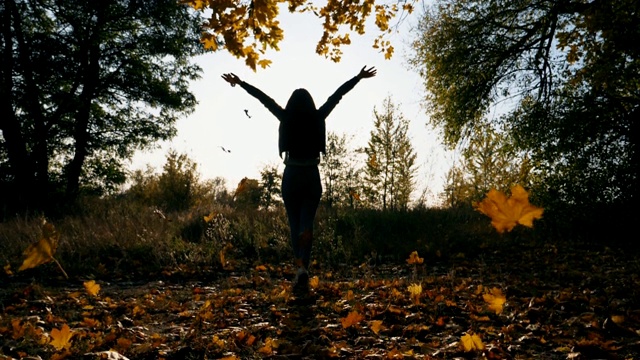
point(248, 28)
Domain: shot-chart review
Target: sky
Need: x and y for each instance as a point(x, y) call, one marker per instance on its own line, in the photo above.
point(219, 120)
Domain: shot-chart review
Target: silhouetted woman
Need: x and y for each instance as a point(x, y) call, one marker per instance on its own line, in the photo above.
point(302, 137)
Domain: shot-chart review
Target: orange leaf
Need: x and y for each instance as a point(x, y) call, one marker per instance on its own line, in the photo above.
point(269, 345)
point(471, 342)
point(352, 319)
point(61, 338)
point(375, 326)
point(91, 287)
point(314, 282)
point(506, 213)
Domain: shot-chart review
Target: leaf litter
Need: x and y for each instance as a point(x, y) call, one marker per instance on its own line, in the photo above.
point(552, 302)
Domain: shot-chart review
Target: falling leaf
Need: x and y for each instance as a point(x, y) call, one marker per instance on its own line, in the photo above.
point(506, 213)
point(261, 268)
point(495, 299)
point(375, 326)
point(91, 287)
point(42, 251)
point(352, 319)
point(208, 218)
point(414, 258)
point(471, 342)
point(61, 338)
point(7, 269)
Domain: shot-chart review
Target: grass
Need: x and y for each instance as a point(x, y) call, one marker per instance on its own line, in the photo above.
point(115, 238)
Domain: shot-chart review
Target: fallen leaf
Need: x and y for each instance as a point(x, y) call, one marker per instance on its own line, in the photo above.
point(61, 338)
point(91, 287)
point(375, 326)
point(471, 342)
point(314, 282)
point(506, 213)
point(415, 290)
point(261, 268)
point(351, 320)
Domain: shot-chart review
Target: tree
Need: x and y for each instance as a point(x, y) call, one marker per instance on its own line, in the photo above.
point(564, 75)
point(390, 167)
point(271, 183)
point(248, 29)
point(85, 84)
point(339, 173)
point(176, 188)
point(489, 161)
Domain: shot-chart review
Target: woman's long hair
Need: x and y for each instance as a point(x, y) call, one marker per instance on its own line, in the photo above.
point(302, 132)
point(300, 102)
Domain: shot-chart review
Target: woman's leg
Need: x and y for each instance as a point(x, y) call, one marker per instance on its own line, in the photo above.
point(309, 206)
point(292, 204)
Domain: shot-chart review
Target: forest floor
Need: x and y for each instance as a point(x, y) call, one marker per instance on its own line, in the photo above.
point(516, 302)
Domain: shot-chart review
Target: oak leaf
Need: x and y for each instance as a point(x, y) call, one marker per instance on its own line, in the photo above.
point(506, 213)
point(61, 338)
point(471, 342)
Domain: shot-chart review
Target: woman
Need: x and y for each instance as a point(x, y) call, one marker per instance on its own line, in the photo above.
point(302, 137)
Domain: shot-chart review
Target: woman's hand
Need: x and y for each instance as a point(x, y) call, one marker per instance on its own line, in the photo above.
point(367, 73)
point(231, 78)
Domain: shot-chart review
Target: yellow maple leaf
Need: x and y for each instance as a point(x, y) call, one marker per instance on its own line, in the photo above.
point(91, 287)
point(495, 299)
point(351, 320)
point(61, 338)
point(471, 342)
point(506, 213)
point(414, 258)
point(41, 252)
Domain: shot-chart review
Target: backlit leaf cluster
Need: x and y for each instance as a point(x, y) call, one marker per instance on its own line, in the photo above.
point(247, 29)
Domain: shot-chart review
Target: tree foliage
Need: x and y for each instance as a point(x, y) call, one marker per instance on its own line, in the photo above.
point(85, 84)
point(270, 184)
point(248, 28)
point(340, 173)
point(488, 161)
point(176, 188)
point(563, 75)
point(389, 173)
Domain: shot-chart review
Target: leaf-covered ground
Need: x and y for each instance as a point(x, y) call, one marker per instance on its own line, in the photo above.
point(562, 302)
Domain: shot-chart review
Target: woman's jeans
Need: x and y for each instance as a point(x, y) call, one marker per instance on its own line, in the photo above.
point(301, 191)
